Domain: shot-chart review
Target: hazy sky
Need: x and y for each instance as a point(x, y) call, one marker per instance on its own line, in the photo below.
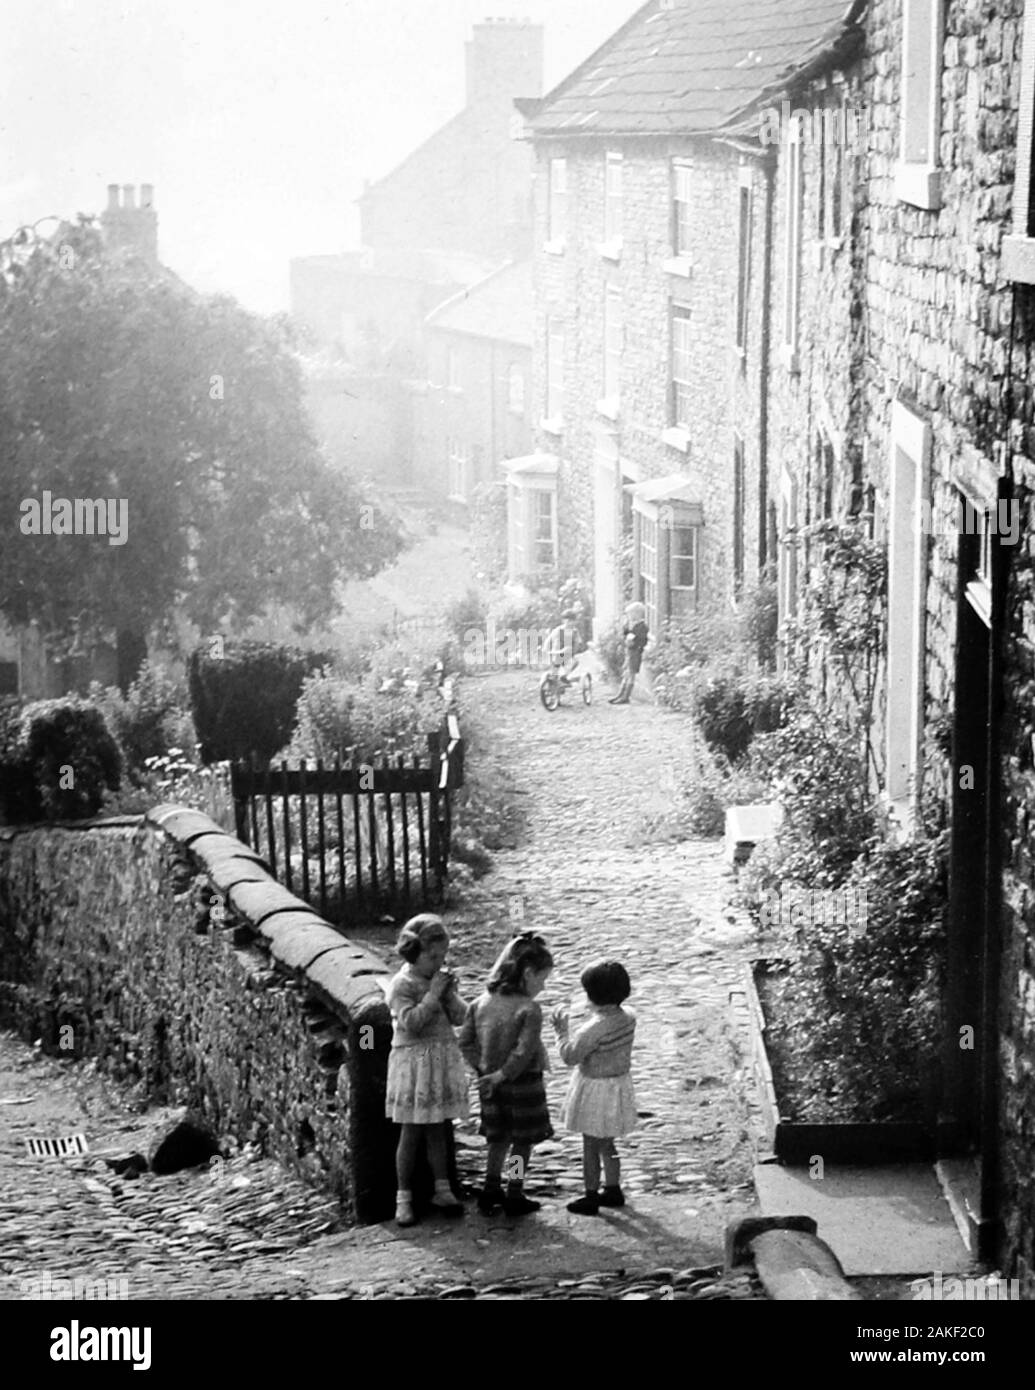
point(256, 120)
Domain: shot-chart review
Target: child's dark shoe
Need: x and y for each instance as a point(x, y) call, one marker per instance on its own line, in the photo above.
point(520, 1206)
point(446, 1204)
point(612, 1197)
point(490, 1200)
point(586, 1206)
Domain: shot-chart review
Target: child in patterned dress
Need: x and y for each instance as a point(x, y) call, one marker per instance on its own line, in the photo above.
point(427, 1085)
point(501, 1041)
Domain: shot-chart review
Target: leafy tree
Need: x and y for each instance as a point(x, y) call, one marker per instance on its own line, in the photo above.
point(119, 381)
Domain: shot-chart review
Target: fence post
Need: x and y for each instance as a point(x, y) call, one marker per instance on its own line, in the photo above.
point(240, 802)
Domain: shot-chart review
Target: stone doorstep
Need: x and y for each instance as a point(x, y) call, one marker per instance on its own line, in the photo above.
point(889, 1220)
point(746, 826)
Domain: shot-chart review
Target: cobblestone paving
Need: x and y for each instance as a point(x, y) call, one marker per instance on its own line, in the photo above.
point(596, 874)
point(601, 781)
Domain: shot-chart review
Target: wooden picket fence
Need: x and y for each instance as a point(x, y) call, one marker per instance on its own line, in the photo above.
point(355, 840)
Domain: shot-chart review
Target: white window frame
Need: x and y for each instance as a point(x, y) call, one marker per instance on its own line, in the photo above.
point(1019, 246)
point(793, 210)
point(909, 470)
point(675, 556)
point(918, 176)
point(459, 459)
point(557, 206)
point(614, 343)
point(553, 421)
point(614, 176)
point(680, 314)
point(525, 492)
point(682, 232)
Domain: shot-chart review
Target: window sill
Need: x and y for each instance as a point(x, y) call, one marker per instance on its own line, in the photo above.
point(555, 247)
point(518, 414)
point(678, 265)
point(453, 390)
point(610, 250)
point(790, 358)
point(677, 438)
point(919, 184)
point(455, 497)
point(552, 426)
point(834, 243)
point(1019, 259)
point(609, 407)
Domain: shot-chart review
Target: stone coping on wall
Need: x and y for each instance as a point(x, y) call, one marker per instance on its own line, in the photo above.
point(343, 974)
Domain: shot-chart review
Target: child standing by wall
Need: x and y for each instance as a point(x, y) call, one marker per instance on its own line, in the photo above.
point(601, 1102)
point(501, 1040)
point(427, 1085)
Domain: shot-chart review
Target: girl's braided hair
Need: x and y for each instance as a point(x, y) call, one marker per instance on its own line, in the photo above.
point(525, 951)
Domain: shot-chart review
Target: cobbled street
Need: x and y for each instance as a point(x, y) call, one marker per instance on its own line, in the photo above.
point(599, 870)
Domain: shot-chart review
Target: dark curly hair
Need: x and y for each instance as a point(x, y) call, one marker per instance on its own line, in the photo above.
point(524, 952)
point(606, 982)
point(420, 931)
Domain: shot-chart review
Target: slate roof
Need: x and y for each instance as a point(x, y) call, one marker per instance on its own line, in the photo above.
point(498, 307)
point(693, 67)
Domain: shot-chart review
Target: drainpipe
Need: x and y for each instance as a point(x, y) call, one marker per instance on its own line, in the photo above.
point(768, 164)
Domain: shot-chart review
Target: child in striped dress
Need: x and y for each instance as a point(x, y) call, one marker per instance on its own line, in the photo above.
point(601, 1102)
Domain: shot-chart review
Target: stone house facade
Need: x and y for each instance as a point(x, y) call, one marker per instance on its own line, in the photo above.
point(652, 336)
point(474, 412)
point(892, 302)
point(902, 393)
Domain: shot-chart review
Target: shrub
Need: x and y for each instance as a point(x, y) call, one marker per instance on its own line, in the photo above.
point(336, 715)
point(244, 700)
point(467, 614)
point(731, 708)
point(64, 760)
point(818, 773)
point(855, 1023)
point(150, 718)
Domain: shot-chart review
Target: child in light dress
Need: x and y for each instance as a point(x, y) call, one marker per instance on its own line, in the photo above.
point(427, 1084)
point(601, 1101)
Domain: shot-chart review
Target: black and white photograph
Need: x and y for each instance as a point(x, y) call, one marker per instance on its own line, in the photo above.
point(517, 670)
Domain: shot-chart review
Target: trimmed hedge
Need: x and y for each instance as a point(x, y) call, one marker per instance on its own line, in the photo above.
point(58, 760)
point(243, 699)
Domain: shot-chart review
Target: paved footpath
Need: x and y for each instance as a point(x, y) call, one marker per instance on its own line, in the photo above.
point(597, 874)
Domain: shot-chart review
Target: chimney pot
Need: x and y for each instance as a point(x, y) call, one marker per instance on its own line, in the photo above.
point(147, 195)
point(129, 195)
point(113, 196)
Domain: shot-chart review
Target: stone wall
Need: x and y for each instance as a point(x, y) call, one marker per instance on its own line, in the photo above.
point(914, 306)
point(258, 1013)
point(571, 285)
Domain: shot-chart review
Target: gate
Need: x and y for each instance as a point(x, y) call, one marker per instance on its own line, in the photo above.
point(353, 838)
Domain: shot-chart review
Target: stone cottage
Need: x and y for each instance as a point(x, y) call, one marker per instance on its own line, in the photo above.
point(903, 394)
point(653, 335)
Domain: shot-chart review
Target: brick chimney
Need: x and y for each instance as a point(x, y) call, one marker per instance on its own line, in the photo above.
point(504, 61)
point(128, 227)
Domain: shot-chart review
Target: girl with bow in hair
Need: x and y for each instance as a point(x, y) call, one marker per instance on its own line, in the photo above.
point(427, 1085)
